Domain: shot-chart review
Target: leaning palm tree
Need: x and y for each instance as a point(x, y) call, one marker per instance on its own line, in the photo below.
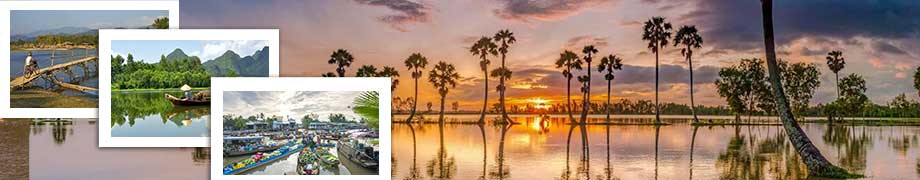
point(656, 32)
point(690, 37)
point(342, 59)
point(392, 73)
point(568, 61)
point(607, 65)
point(504, 38)
point(367, 106)
point(367, 71)
point(416, 64)
point(483, 48)
point(815, 162)
point(589, 52)
point(443, 77)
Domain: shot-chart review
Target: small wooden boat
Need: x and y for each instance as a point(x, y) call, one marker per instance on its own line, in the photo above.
point(351, 153)
point(187, 102)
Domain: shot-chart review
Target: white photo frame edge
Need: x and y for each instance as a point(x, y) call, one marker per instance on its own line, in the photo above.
point(379, 84)
point(106, 36)
point(6, 7)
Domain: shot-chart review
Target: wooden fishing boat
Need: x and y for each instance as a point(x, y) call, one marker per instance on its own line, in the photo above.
point(348, 150)
point(263, 149)
point(187, 102)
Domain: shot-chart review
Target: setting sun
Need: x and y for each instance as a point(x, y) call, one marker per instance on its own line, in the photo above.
point(539, 103)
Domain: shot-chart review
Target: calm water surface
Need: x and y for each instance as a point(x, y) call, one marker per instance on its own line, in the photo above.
point(70, 151)
point(540, 148)
point(14, 138)
point(149, 114)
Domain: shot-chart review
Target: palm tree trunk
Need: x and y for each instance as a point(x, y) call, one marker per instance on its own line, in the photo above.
point(692, 104)
point(501, 93)
point(485, 97)
point(501, 152)
point(568, 97)
point(837, 84)
point(815, 162)
point(657, 130)
point(441, 114)
point(657, 107)
point(607, 107)
point(587, 100)
point(414, 103)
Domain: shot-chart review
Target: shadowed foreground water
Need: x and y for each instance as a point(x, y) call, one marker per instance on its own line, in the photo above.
point(538, 149)
point(70, 151)
point(14, 158)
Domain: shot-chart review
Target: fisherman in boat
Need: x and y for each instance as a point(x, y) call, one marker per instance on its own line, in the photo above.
point(186, 92)
point(30, 65)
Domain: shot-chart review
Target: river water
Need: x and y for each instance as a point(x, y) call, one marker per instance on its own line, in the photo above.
point(70, 151)
point(540, 148)
point(149, 114)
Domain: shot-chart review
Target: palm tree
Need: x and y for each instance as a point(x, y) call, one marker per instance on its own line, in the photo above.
point(342, 59)
point(690, 37)
point(836, 63)
point(504, 38)
point(483, 48)
point(608, 64)
point(416, 64)
point(589, 51)
point(815, 162)
point(444, 76)
point(392, 73)
point(656, 32)
point(367, 71)
point(367, 106)
point(567, 61)
point(160, 23)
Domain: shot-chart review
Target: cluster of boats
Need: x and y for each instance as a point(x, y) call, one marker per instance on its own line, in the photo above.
point(312, 160)
point(261, 158)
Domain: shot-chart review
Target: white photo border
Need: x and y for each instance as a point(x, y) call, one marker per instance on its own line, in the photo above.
point(106, 36)
point(380, 84)
point(8, 6)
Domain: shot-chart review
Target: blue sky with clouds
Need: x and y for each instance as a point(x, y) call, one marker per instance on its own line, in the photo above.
point(27, 21)
point(294, 104)
point(151, 50)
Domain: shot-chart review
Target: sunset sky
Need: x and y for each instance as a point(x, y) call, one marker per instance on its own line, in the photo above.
point(880, 40)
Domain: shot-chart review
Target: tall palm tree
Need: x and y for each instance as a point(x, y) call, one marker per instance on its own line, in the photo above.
point(416, 64)
point(656, 32)
point(483, 48)
point(393, 74)
point(568, 61)
point(589, 52)
point(689, 37)
point(504, 38)
point(607, 65)
point(444, 76)
point(836, 63)
point(815, 162)
point(342, 59)
point(367, 71)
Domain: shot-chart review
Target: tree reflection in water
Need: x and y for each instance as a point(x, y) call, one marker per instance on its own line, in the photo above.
point(852, 146)
point(501, 170)
point(413, 169)
point(201, 156)
point(60, 130)
point(442, 166)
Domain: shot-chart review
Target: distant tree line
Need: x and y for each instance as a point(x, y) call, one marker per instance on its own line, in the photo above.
point(130, 74)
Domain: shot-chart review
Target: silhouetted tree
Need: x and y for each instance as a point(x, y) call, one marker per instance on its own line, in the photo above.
point(607, 65)
point(443, 77)
point(416, 64)
point(656, 32)
point(341, 59)
point(689, 37)
point(504, 39)
point(484, 48)
point(567, 62)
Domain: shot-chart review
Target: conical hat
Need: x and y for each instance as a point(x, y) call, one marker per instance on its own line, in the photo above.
point(186, 88)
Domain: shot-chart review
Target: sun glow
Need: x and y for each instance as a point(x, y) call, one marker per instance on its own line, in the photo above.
point(539, 103)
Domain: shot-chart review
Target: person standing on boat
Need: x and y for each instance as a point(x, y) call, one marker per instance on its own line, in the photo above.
point(186, 91)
